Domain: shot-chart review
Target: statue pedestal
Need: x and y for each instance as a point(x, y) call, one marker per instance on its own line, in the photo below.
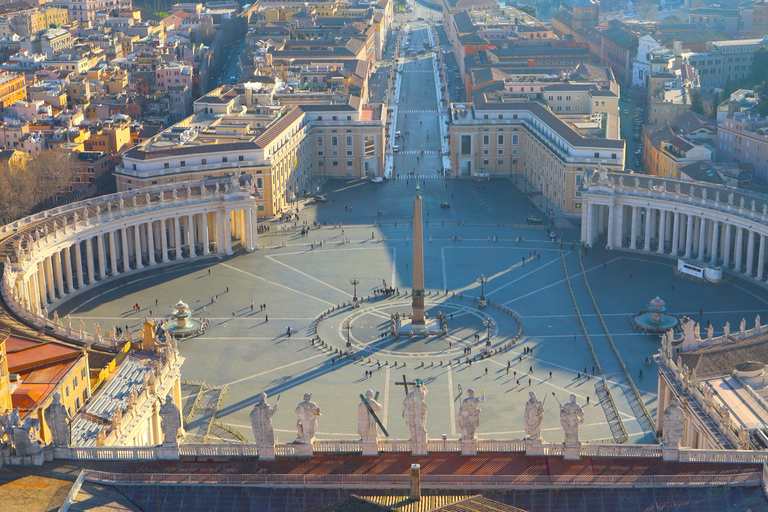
point(266, 452)
point(371, 449)
point(303, 450)
point(168, 451)
point(534, 447)
point(572, 452)
point(670, 453)
point(419, 447)
point(469, 447)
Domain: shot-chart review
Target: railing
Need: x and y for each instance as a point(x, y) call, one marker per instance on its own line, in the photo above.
point(730, 456)
point(106, 453)
point(218, 450)
point(222, 166)
point(492, 445)
point(438, 445)
point(394, 445)
point(353, 481)
point(630, 451)
point(337, 446)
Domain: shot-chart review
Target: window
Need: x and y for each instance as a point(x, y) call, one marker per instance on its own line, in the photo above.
point(500, 139)
point(259, 182)
point(321, 153)
point(203, 161)
point(597, 155)
point(486, 140)
point(224, 159)
point(499, 151)
point(82, 372)
point(335, 152)
point(183, 163)
point(613, 155)
point(335, 163)
point(349, 153)
point(466, 145)
point(66, 391)
point(515, 139)
point(134, 167)
point(349, 163)
point(486, 151)
point(166, 165)
point(334, 141)
point(240, 158)
point(485, 161)
point(500, 162)
point(74, 382)
point(320, 141)
point(349, 140)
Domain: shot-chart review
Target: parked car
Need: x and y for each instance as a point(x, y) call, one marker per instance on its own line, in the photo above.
point(532, 219)
point(397, 134)
point(378, 179)
point(319, 199)
point(395, 149)
point(445, 206)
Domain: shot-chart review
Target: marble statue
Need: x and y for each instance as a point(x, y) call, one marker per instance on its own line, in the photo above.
point(45, 312)
point(704, 194)
point(4, 424)
point(25, 439)
point(306, 423)
point(58, 420)
point(56, 317)
point(133, 201)
point(697, 331)
point(743, 327)
point(366, 425)
point(730, 199)
point(82, 328)
point(170, 421)
point(741, 203)
point(717, 196)
point(101, 437)
point(571, 416)
point(69, 325)
point(677, 188)
point(121, 203)
point(261, 423)
point(727, 329)
point(710, 331)
point(96, 331)
point(637, 182)
point(174, 194)
point(752, 205)
point(534, 414)
point(674, 424)
point(650, 184)
point(415, 414)
point(621, 181)
point(148, 198)
point(757, 324)
point(743, 437)
point(469, 415)
point(765, 209)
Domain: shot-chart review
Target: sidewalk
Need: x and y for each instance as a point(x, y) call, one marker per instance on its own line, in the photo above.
point(443, 110)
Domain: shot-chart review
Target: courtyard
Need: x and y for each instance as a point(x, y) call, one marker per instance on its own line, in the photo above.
point(484, 232)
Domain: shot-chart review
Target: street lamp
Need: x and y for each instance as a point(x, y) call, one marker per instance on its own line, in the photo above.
point(347, 325)
point(489, 324)
point(482, 280)
point(354, 281)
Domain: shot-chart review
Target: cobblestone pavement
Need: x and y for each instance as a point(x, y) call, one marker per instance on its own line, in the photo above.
point(297, 283)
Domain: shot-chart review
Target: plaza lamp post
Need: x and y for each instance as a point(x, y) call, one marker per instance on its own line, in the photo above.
point(489, 324)
point(347, 325)
point(482, 280)
point(354, 281)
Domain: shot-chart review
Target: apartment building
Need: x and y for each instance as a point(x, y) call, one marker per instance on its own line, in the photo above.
point(743, 137)
point(725, 59)
point(12, 88)
point(283, 153)
point(527, 139)
point(581, 98)
point(666, 154)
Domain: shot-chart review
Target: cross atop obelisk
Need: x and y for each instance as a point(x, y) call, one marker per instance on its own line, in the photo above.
point(418, 262)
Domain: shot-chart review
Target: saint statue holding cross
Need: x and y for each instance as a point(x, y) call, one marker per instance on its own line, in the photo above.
point(415, 412)
point(366, 418)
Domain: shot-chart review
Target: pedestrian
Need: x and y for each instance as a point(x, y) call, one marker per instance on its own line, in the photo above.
point(641, 373)
point(530, 369)
point(587, 399)
point(507, 370)
point(593, 369)
point(486, 370)
point(150, 312)
point(529, 382)
point(227, 289)
point(550, 375)
point(578, 376)
point(233, 314)
point(155, 302)
point(205, 308)
point(266, 318)
point(518, 382)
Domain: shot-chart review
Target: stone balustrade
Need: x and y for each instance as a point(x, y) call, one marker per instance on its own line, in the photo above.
point(59, 253)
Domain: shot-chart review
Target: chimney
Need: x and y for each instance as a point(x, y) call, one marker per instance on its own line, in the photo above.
point(415, 482)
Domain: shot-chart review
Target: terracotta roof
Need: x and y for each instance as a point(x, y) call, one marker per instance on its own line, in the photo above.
point(720, 360)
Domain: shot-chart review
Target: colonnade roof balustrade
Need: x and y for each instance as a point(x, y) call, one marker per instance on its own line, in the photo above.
point(50, 256)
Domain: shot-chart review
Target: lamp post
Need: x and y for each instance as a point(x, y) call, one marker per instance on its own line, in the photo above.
point(489, 324)
point(482, 280)
point(354, 281)
point(347, 325)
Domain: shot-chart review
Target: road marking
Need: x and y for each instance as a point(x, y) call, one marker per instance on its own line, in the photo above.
point(394, 268)
point(278, 284)
point(450, 401)
point(238, 381)
point(271, 258)
point(445, 276)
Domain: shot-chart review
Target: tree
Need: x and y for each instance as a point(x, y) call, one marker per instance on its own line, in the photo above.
point(696, 104)
point(528, 9)
point(52, 171)
point(715, 103)
point(728, 88)
point(17, 195)
point(759, 67)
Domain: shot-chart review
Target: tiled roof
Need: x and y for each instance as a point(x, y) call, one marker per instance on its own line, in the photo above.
point(719, 360)
point(622, 37)
point(463, 22)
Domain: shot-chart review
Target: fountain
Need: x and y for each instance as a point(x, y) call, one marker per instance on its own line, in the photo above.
point(181, 325)
point(655, 320)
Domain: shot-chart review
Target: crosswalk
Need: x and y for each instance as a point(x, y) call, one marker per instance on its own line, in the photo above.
point(425, 177)
point(419, 153)
point(418, 71)
point(417, 111)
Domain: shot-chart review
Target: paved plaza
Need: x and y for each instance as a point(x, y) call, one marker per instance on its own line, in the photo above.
point(297, 283)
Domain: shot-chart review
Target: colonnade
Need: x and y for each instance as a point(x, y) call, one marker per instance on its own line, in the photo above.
point(86, 243)
point(712, 232)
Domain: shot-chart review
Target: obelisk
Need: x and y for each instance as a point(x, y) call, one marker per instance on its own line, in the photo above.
point(418, 262)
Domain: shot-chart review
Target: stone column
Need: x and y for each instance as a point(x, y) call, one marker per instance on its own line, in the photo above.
point(727, 247)
point(688, 236)
point(191, 235)
point(761, 258)
point(89, 259)
point(49, 279)
point(750, 252)
point(68, 269)
point(611, 226)
point(228, 234)
point(41, 282)
point(79, 266)
point(137, 245)
point(205, 241)
point(618, 237)
point(151, 242)
point(647, 244)
point(591, 215)
point(249, 234)
point(177, 236)
point(739, 244)
point(164, 239)
point(102, 255)
point(675, 232)
point(715, 241)
point(662, 230)
point(57, 270)
point(113, 252)
point(125, 253)
point(220, 249)
point(584, 222)
point(633, 228)
point(702, 239)
point(35, 290)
